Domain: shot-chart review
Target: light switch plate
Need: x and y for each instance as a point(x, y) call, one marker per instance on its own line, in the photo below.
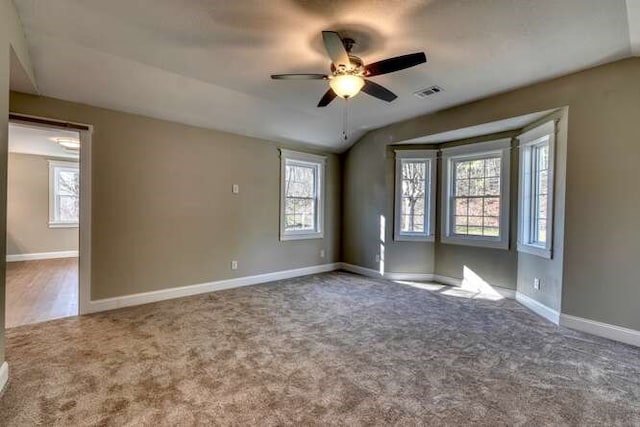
point(235, 189)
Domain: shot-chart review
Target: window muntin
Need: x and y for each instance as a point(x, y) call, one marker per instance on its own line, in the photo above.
point(414, 191)
point(302, 187)
point(476, 196)
point(536, 190)
point(415, 185)
point(300, 196)
point(64, 194)
point(475, 192)
point(540, 160)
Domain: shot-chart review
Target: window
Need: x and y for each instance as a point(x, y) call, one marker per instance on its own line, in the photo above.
point(302, 186)
point(476, 194)
point(415, 189)
point(64, 194)
point(535, 206)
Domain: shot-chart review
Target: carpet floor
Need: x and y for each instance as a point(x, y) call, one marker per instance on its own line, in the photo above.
point(328, 349)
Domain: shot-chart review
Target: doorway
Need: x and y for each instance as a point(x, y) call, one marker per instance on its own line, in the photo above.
point(44, 186)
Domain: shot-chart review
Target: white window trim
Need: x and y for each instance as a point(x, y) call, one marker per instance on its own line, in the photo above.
point(429, 156)
point(314, 160)
point(501, 147)
point(53, 222)
point(526, 141)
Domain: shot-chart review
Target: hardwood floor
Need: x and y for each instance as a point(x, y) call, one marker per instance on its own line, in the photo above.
point(41, 290)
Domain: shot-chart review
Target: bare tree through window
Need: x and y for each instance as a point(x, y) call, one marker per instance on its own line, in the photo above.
point(476, 197)
point(414, 185)
point(300, 196)
point(65, 194)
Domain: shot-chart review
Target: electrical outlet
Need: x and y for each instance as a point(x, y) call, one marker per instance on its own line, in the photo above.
point(536, 284)
point(235, 189)
point(321, 253)
point(234, 265)
point(377, 257)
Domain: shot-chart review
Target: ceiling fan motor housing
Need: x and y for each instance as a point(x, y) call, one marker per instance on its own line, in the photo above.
point(357, 67)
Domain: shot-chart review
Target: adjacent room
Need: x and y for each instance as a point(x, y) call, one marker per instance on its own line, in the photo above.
point(43, 198)
point(320, 213)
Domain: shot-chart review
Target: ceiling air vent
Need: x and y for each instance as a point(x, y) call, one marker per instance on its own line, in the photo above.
point(423, 93)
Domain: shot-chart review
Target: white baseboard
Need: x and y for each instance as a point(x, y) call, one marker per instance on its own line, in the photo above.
point(351, 268)
point(423, 277)
point(201, 288)
point(369, 272)
point(42, 255)
point(4, 376)
point(605, 330)
point(537, 307)
point(454, 281)
point(446, 280)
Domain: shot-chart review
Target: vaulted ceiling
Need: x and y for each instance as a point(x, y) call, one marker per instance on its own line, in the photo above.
point(207, 62)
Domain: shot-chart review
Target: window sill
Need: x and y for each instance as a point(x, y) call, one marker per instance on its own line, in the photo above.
point(413, 238)
point(301, 236)
point(64, 225)
point(477, 242)
point(535, 250)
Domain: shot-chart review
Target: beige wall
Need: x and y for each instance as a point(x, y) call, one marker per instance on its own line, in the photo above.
point(4, 131)
point(163, 212)
point(28, 208)
point(602, 239)
point(495, 266)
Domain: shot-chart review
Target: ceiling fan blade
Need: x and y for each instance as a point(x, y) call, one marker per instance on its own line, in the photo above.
point(299, 76)
point(335, 48)
point(377, 91)
point(394, 64)
point(329, 96)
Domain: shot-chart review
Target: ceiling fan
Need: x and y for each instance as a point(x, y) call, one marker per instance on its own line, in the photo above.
point(348, 72)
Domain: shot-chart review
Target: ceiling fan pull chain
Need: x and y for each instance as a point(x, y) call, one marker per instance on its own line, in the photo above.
point(345, 121)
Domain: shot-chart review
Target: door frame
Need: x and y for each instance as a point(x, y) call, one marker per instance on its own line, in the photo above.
point(84, 240)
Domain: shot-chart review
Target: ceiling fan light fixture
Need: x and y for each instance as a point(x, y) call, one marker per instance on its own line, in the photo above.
point(346, 85)
point(68, 143)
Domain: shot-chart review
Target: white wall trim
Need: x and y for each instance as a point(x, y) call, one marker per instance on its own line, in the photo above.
point(4, 377)
point(42, 255)
point(105, 304)
point(369, 272)
point(537, 307)
point(352, 268)
point(605, 330)
point(423, 277)
point(633, 19)
point(454, 281)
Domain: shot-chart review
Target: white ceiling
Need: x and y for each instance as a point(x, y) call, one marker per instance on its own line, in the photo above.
point(207, 63)
point(40, 141)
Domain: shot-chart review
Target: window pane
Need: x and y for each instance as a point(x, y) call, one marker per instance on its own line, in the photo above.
point(300, 197)
point(413, 196)
point(462, 187)
point(492, 206)
point(300, 181)
point(67, 194)
point(476, 168)
point(477, 212)
point(492, 167)
point(461, 220)
point(68, 208)
point(462, 206)
point(541, 231)
point(68, 182)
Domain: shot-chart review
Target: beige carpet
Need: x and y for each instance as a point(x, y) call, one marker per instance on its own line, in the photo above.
point(330, 349)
